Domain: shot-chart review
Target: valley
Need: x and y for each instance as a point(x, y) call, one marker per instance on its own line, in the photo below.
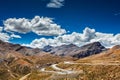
point(89, 62)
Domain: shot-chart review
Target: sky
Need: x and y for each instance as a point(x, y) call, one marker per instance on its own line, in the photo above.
point(37, 23)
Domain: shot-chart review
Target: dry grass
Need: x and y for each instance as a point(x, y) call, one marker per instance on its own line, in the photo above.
point(64, 66)
point(65, 77)
point(101, 72)
point(39, 76)
point(22, 65)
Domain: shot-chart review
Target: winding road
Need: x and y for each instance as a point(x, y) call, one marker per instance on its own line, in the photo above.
point(97, 63)
point(60, 70)
point(64, 71)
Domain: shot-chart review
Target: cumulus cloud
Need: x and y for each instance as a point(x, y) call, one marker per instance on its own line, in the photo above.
point(4, 37)
point(20, 25)
point(38, 25)
point(15, 36)
point(79, 39)
point(1, 28)
point(55, 4)
point(46, 26)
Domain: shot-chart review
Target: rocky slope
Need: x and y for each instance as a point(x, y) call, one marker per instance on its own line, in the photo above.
point(64, 50)
point(6, 47)
point(74, 51)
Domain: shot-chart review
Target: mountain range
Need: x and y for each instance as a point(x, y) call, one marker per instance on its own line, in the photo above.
point(64, 50)
point(18, 62)
point(74, 51)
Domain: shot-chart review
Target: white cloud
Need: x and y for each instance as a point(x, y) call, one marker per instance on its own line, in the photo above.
point(15, 36)
point(46, 26)
point(79, 39)
point(4, 37)
point(38, 25)
point(1, 28)
point(20, 25)
point(55, 4)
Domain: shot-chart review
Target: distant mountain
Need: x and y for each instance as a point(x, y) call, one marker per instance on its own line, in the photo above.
point(90, 49)
point(74, 51)
point(6, 47)
point(112, 54)
point(64, 50)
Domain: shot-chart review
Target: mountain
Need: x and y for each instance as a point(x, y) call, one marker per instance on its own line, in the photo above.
point(103, 66)
point(64, 50)
point(110, 54)
point(6, 47)
point(17, 61)
point(74, 51)
point(89, 49)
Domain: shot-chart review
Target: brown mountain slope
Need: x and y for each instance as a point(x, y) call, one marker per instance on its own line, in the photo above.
point(14, 65)
point(104, 66)
point(6, 47)
point(111, 54)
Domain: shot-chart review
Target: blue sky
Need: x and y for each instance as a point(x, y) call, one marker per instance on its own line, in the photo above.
point(73, 15)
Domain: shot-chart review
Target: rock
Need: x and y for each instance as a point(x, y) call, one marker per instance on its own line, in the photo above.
point(75, 51)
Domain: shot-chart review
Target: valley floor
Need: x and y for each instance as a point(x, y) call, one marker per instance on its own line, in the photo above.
point(81, 70)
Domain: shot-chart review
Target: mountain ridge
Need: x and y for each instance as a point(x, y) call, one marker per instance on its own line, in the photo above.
point(64, 50)
point(75, 51)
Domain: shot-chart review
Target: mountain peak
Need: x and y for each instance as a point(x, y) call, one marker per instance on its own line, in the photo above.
point(47, 48)
point(93, 45)
point(75, 51)
point(90, 49)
